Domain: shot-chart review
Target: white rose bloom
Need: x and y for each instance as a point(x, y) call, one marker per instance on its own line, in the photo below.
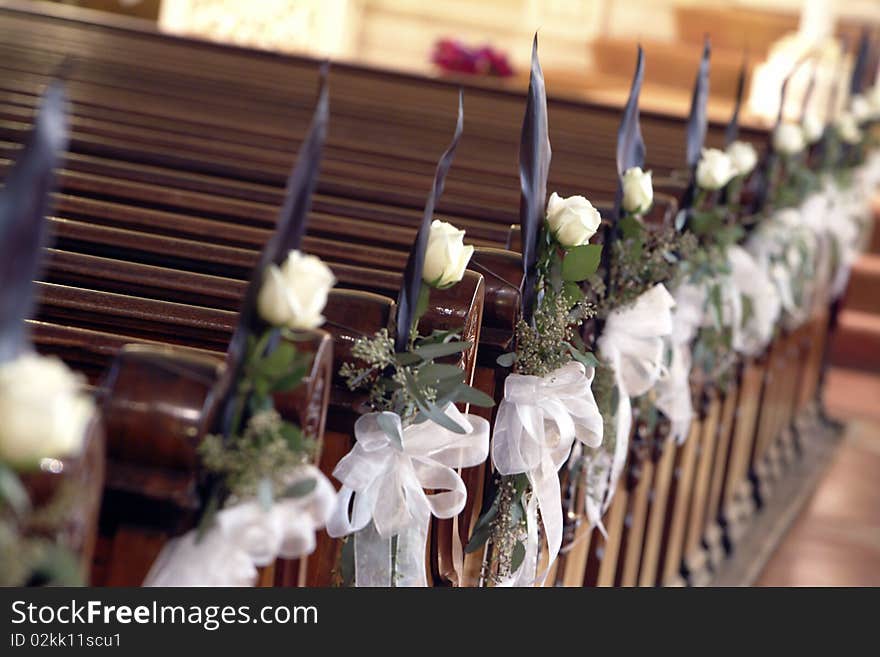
point(446, 257)
point(812, 127)
point(44, 410)
point(294, 294)
point(743, 156)
point(789, 139)
point(848, 128)
point(573, 220)
point(638, 192)
point(860, 107)
point(715, 169)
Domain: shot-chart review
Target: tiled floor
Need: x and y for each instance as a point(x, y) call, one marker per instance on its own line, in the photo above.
point(836, 539)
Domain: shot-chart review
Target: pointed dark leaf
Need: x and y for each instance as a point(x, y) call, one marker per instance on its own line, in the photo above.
point(408, 298)
point(860, 66)
point(808, 94)
point(732, 130)
point(288, 235)
point(24, 202)
point(630, 145)
point(697, 119)
point(784, 91)
point(534, 167)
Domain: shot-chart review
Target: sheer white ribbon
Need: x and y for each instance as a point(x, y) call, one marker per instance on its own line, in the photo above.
point(538, 422)
point(752, 333)
point(383, 483)
point(246, 536)
point(633, 343)
point(673, 387)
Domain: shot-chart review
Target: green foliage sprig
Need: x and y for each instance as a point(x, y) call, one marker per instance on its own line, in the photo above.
point(263, 447)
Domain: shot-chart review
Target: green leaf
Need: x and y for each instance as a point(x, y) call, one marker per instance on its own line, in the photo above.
point(572, 292)
point(469, 395)
point(483, 529)
point(630, 227)
point(430, 409)
point(276, 364)
point(506, 360)
point(436, 372)
point(407, 358)
point(748, 310)
point(706, 222)
point(715, 301)
point(422, 303)
point(581, 262)
point(291, 380)
point(12, 491)
point(518, 556)
point(391, 428)
point(300, 488)
point(585, 358)
point(432, 351)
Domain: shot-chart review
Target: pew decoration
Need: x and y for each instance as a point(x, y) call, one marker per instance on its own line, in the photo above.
point(50, 431)
point(548, 404)
point(634, 313)
point(413, 438)
point(263, 499)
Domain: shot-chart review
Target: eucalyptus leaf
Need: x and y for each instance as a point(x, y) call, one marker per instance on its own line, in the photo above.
point(581, 262)
point(436, 372)
point(469, 395)
point(12, 491)
point(439, 350)
point(407, 358)
point(391, 429)
point(518, 556)
point(585, 358)
point(572, 292)
point(506, 360)
point(631, 228)
point(300, 488)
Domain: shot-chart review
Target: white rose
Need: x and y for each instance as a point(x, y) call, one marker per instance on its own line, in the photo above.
point(573, 220)
point(848, 128)
point(446, 257)
point(789, 139)
point(813, 128)
point(715, 169)
point(638, 192)
point(743, 156)
point(44, 412)
point(294, 295)
point(860, 108)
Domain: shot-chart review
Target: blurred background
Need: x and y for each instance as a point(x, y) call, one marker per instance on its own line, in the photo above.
point(586, 45)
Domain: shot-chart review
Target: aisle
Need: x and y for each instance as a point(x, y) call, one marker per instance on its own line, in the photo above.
point(836, 539)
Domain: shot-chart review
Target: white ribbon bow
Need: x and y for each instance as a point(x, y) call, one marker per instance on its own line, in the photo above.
point(673, 388)
point(752, 335)
point(387, 480)
point(246, 536)
point(538, 422)
point(632, 342)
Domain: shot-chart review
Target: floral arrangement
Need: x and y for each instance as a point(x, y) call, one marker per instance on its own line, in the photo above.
point(47, 413)
point(262, 497)
point(548, 403)
point(414, 438)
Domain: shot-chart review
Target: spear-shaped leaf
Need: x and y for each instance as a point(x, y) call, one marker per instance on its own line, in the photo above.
point(697, 119)
point(630, 145)
point(534, 168)
point(407, 299)
point(732, 130)
point(288, 234)
point(808, 94)
point(24, 202)
point(860, 66)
